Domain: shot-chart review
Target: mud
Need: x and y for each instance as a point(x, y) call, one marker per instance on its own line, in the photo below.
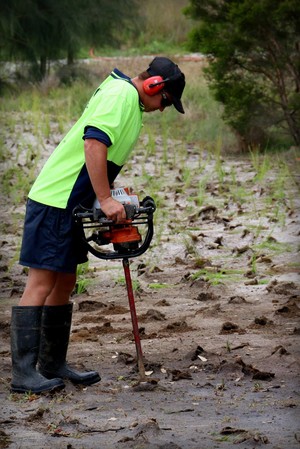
point(220, 328)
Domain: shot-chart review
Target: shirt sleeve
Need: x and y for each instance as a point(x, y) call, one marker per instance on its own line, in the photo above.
point(91, 132)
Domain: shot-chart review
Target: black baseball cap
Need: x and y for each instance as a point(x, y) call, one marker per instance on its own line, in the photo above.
point(173, 76)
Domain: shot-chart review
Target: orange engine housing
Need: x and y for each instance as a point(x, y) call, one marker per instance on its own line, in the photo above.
point(124, 234)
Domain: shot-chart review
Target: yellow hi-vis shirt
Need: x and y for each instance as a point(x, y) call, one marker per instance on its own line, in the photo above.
point(114, 108)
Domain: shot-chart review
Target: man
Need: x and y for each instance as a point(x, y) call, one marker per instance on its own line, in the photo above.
point(84, 165)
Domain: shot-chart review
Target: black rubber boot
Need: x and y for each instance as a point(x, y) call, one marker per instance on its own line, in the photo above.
point(55, 333)
point(25, 342)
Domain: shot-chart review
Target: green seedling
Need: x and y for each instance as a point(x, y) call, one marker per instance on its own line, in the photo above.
point(26, 397)
point(258, 229)
point(261, 164)
point(272, 245)
point(263, 281)
point(81, 286)
point(221, 439)
point(158, 286)
point(187, 177)
point(253, 264)
point(238, 191)
point(217, 277)
point(191, 249)
point(200, 197)
point(212, 278)
point(136, 285)
point(257, 387)
point(219, 164)
point(83, 281)
point(228, 346)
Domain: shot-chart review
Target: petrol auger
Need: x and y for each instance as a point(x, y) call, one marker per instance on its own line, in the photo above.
point(108, 240)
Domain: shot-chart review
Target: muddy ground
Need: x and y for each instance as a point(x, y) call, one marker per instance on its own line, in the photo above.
point(217, 298)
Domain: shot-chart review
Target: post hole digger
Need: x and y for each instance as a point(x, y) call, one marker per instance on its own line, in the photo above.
point(121, 241)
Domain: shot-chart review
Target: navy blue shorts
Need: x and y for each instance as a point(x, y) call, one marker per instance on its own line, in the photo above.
point(51, 239)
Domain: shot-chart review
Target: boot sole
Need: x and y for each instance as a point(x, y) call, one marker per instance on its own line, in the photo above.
point(15, 389)
point(86, 382)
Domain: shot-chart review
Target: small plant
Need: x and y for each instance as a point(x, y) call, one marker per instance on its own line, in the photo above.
point(253, 264)
point(263, 281)
point(238, 192)
point(157, 285)
point(187, 177)
point(261, 164)
point(191, 250)
point(82, 281)
point(216, 277)
point(257, 387)
point(258, 229)
point(219, 163)
point(200, 197)
point(136, 285)
point(56, 430)
point(28, 396)
point(228, 346)
point(81, 286)
point(272, 245)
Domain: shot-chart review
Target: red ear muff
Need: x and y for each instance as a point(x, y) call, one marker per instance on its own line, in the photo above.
point(153, 85)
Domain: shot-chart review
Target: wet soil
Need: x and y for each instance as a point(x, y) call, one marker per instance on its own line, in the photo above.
point(217, 299)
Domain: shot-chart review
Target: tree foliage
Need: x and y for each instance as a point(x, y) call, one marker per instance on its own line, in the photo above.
point(42, 30)
point(254, 47)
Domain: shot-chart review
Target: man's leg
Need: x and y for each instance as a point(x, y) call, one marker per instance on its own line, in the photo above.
point(55, 334)
point(62, 289)
point(39, 285)
point(26, 334)
point(45, 287)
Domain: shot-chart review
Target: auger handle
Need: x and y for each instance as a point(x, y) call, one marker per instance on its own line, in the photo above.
point(124, 253)
point(147, 208)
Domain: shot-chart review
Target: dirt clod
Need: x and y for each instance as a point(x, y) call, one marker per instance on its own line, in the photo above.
point(229, 327)
point(152, 314)
point(262, 321)
point(206, 296)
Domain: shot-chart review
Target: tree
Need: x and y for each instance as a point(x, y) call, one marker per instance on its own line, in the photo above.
point(42, 30)
point(254, 48)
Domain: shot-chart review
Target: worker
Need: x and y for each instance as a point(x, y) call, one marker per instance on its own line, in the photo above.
point(83, 166)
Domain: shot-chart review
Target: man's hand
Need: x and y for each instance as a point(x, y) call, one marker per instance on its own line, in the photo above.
point(113, 210)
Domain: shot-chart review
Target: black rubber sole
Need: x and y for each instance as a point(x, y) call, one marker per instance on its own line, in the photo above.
point(22, 389)
point(75, 380)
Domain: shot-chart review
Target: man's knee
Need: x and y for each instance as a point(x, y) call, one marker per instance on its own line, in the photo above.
point(39, 285)
point(65, 283)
